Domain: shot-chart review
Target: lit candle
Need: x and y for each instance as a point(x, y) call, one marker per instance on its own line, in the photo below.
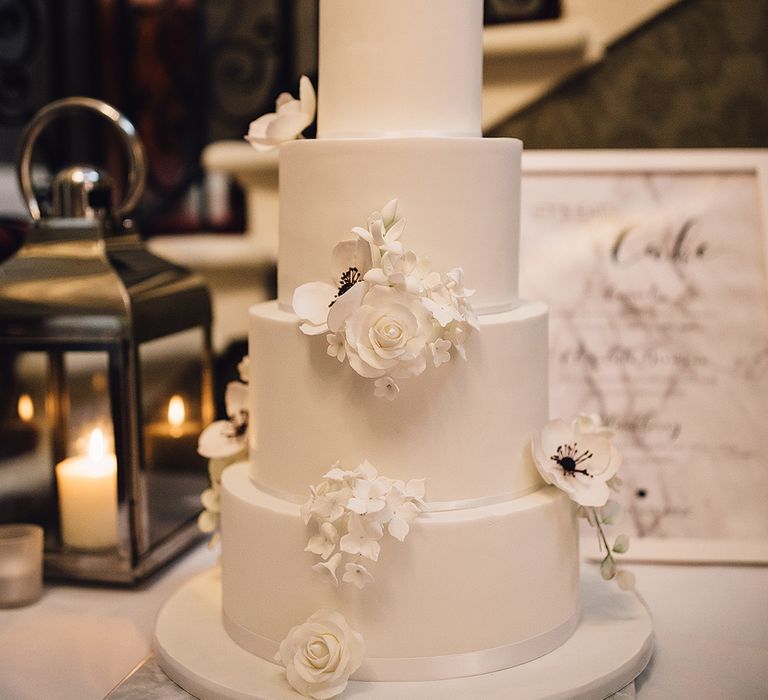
point(25, 408)
point(172, 443)
point(88, 497)
point(177, 414)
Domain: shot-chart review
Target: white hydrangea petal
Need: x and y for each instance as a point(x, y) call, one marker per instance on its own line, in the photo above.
point(398, 528)
point(356, 574)
point(385, 387)
point(443, 313)
point(367, 471)
point(328, 568)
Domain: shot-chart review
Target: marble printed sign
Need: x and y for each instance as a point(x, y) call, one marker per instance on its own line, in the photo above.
point(659, 322)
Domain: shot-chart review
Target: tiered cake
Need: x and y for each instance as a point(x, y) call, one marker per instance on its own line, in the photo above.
point(488, 577)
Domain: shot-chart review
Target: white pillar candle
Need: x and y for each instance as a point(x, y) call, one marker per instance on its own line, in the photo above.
point(88, 497)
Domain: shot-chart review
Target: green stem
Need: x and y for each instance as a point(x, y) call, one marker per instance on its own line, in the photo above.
point(601, 534)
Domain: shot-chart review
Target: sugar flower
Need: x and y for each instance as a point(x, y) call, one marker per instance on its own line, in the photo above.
point(321, 654)
point(228, 438)
point(290, 118)
point(577, 462)
point(362, 537)
point(356, 574)
point(324, 542)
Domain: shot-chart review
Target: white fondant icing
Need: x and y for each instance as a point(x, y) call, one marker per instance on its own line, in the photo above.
point(464, 582)
point(459, 198)
point(400, 67)
point(464, 426)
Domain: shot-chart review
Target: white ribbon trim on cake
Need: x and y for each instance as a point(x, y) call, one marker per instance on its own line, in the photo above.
point(484, 310)
point(427, 668)
point(429, 506)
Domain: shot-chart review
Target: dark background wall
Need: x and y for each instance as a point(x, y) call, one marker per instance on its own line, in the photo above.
point(188, 72)
point(694, 77)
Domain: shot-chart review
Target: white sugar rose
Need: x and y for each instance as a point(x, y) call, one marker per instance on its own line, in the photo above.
point(389, 333)
point(579, 462)
point(320, 655)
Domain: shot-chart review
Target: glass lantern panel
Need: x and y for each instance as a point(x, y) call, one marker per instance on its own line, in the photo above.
point(26, 457)
point(173, 412)
point(87, 402)
point(84, 449)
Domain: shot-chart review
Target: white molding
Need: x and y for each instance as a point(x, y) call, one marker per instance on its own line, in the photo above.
point(523, 62)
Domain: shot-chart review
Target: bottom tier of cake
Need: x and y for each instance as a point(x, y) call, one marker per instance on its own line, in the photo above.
point(469, 591)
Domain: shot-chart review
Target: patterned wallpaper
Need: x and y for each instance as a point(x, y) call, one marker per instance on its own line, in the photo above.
point(695, 77)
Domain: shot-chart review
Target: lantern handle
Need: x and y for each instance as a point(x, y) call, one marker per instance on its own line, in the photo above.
point(137, 161)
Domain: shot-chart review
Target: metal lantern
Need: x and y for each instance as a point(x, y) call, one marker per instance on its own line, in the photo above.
point(105, 372)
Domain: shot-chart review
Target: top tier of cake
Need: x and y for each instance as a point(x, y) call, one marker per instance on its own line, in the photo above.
point(381, 76)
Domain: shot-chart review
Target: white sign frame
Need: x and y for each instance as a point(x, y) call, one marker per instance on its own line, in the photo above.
point(669, 162)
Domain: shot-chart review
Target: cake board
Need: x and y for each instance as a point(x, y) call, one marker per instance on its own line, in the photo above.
point(609, 649)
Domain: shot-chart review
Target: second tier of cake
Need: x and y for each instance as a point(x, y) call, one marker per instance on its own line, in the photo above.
point(464, 426)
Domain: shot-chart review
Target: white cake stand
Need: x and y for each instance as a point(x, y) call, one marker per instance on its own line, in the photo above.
point(610, 647)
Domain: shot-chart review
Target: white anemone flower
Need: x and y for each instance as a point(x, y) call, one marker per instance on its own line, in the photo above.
point(287, 122)
point(228, 438)
point(579, 463)
point(323, 306)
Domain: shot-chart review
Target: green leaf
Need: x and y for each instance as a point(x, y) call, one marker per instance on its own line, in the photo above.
point(608, 568)
point(621, 544)
point(611, 512)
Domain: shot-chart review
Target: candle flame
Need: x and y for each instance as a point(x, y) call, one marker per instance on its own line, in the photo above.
point(177, 414)
point(26, 408)
point(97, 447)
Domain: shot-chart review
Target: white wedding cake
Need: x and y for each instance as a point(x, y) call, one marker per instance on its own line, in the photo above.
point(386, 398)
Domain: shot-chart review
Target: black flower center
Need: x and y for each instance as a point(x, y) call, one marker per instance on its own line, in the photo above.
point(238, 424)
point(348, 280)
point(569, 458)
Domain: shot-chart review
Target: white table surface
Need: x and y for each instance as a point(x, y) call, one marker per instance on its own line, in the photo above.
point(78, 642)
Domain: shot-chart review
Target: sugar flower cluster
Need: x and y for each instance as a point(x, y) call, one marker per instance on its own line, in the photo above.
point(224, 442)
point(350, 512)
point(387, 313)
